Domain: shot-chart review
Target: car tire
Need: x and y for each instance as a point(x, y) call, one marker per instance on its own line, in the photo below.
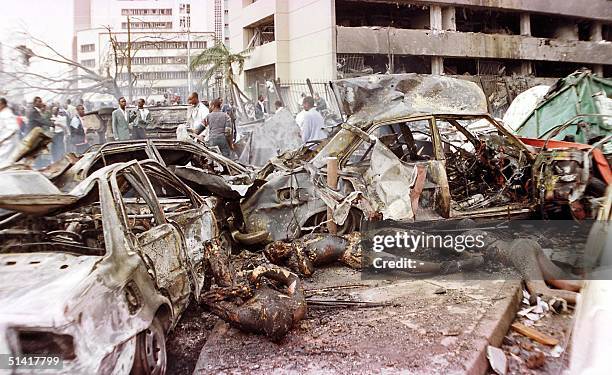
point(352, 222)
point(151, 357)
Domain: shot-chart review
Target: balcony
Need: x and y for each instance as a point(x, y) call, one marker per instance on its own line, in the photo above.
point(373, 40)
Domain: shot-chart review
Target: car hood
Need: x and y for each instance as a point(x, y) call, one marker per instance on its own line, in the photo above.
point(40, 284)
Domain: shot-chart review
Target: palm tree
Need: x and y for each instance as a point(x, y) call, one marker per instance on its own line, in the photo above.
point(220, 59)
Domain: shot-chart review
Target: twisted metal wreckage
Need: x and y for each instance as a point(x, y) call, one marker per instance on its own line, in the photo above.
point(419, 148)
point(115, 242)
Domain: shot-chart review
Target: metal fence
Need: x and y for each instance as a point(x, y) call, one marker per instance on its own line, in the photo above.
point(293, 92)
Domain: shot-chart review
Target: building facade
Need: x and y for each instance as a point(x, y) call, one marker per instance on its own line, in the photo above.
point(162, 34)
point(329, 39)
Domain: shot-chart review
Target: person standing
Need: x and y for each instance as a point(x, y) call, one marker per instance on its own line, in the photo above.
point(231, 112)
point(9, 132)
point(313, 123)
point(141, 121)
point(320, 103)
point(60, 123)
point(70, 108)
point(196, 114)
point(120, 121)
point(36, 117)
point(78, 138)
point(219, 127)
point(260, 107)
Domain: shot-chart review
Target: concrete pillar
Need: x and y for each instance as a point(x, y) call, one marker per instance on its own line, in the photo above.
point(525, 24)
point(437, 65)
point(596, 35)
point(448, 19)
point(435, 17)
point(526, 68)
point(598, 69)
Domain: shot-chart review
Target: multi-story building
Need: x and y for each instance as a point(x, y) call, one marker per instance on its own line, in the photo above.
point(327, 39)
point(162, 33)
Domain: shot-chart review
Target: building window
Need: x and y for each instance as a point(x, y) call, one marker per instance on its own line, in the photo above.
point(185, 21)
point(89, 63)
point(146, 12)
point(147, 25)
point(198, 45)
point(185, 8)
point(262, 34)
point(88, 47)
point(155, 60)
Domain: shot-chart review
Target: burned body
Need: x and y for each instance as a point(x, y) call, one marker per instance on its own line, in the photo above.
point(271, 303)
point(316, 250)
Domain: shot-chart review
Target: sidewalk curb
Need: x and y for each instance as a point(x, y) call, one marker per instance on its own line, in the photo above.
point(492, 331)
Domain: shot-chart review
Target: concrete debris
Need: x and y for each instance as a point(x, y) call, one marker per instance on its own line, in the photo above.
point(497, 360)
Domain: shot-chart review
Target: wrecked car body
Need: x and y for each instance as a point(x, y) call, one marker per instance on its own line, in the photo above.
point(219, 179)
point(99, 278)
point(569, 177)
point(406, 153)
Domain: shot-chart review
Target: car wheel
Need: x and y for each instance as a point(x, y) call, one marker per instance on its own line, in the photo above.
point(150, 357)
point(352, 222)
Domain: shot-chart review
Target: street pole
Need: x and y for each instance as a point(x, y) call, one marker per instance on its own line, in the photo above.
point(188, 62)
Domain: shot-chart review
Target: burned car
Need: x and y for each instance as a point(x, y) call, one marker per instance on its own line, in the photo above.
point(97, 276)
point(415, 148)
point(164, 121)
point(221, 180)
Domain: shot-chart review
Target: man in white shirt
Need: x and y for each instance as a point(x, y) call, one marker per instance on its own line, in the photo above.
point(72, 111)
point(141, 121)
point(313, 123)
point(9, 132)
point(60, 124)
point(197, 113)
point(78, 137)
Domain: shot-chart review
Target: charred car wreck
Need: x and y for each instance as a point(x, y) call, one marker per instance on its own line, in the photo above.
point(415, 148)
point(98, 275)
point(406, 153)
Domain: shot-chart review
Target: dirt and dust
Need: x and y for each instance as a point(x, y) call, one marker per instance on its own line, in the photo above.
point(186, 340)
point(428, 324)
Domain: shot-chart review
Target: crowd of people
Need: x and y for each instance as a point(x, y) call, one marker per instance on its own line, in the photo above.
point(212, 122)
point(63, 123)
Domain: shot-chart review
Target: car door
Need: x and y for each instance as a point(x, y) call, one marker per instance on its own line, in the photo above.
point(159, 241)
point(187, 211)
point(404, 167)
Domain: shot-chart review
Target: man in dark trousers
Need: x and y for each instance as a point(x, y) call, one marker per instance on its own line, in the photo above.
point(78, 138)
point(141, 120)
